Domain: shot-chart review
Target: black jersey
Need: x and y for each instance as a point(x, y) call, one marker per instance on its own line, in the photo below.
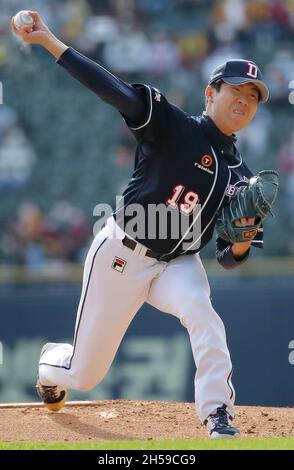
point(180, 159)
point(182, 163)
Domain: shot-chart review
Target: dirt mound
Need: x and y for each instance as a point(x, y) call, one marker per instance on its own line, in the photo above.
point(123, 419)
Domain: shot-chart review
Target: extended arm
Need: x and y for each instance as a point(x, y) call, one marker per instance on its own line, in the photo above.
point(125, 98)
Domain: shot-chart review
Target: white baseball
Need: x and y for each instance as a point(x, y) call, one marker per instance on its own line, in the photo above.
point(23, 18)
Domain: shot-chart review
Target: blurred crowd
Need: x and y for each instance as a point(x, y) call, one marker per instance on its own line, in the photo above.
point(133, 36)
point(173, 43)
point(33, 238)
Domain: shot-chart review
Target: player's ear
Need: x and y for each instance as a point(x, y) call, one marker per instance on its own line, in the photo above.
point(209, 91)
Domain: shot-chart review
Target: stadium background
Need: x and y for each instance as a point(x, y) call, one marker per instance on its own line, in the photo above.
point(62, 152)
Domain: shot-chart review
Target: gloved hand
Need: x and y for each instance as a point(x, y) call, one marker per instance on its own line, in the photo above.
point(253, 201)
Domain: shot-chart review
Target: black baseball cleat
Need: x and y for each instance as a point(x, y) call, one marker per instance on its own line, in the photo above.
point(53, 397)
point(219, 426)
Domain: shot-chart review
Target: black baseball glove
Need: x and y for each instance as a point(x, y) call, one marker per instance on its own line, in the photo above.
point(253, 201)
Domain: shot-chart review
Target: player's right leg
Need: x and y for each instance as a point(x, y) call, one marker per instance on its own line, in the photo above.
point(183, 290)
point(115, 285)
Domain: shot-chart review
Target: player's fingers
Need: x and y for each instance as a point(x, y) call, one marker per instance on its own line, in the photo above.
point(27, 29)
point(245, 221)
point(34, 14)
point(14, 28)
point(39, 24)
point(36, 17)
point(238, 222)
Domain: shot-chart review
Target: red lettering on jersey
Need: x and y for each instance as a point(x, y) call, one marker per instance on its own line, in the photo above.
point(191, 199)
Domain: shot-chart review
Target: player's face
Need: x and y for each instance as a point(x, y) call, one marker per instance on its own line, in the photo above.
point(233, 107)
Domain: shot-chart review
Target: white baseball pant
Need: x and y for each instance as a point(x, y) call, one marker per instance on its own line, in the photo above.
point(109, 301)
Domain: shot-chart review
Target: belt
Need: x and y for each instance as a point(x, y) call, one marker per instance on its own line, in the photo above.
point(152, 254)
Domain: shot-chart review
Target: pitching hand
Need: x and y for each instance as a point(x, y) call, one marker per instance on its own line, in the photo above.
point(35, 34)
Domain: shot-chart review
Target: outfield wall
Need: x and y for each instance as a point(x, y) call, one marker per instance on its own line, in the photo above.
point(154, 360)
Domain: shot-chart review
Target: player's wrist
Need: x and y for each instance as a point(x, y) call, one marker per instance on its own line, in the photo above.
point(46, 39)
point(239, 250)
point(53, 44)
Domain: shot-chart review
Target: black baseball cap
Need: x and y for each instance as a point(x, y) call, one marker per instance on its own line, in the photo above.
point(238, 71)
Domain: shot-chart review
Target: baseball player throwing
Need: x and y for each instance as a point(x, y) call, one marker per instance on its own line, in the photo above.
point(191, 166)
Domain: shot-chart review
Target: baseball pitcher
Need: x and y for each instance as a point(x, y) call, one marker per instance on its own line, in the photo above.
point(190, 167)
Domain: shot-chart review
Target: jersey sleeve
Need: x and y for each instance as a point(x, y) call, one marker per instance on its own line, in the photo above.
point(224, 253)
point(111, 89)
point(162, 119)
point(225, 256)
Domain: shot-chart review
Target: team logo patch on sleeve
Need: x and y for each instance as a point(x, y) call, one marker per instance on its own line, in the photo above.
point(119, 264)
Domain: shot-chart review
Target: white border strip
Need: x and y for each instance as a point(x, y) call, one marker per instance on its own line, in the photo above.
point(202, 207)
point(209, 223)
point(239, 164)
point(150, 112)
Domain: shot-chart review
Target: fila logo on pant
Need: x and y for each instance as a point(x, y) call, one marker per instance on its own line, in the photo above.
point(118, 264)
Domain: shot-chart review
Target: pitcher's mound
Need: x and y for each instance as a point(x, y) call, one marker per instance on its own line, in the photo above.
point(124, 419)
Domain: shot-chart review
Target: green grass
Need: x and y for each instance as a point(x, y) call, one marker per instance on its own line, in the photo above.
point(281, 443)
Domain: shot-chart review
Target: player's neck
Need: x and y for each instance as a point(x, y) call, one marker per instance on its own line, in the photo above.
point(219, 124)
point(214, 124)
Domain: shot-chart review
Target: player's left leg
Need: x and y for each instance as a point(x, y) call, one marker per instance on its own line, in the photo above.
point(182, 290)
point(115, 285)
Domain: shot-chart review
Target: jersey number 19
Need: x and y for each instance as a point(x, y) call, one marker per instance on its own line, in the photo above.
point(190, 200)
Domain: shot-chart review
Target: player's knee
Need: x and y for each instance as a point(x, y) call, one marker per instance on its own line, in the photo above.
point(198, 301)
point(197, 311)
